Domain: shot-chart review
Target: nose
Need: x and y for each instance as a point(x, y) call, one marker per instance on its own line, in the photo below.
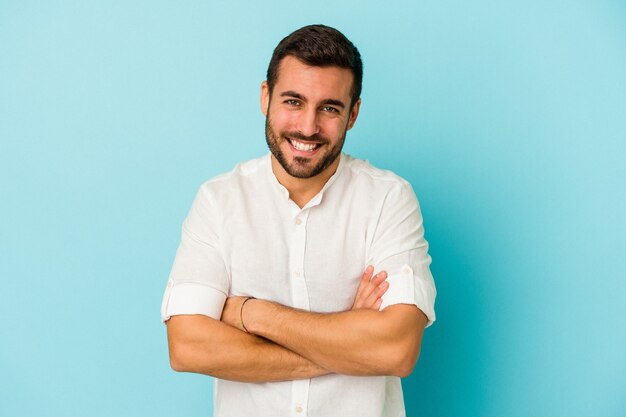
point(308, 123)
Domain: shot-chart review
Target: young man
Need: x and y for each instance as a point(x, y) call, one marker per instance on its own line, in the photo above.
point(267, 292)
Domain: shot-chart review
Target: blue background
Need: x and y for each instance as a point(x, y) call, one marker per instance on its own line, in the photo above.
point(507, 117)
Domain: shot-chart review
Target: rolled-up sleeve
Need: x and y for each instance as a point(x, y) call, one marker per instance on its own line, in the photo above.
point(400, 249)
point(198, 282)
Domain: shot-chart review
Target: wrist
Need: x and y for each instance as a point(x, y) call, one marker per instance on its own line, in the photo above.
point(253, 313)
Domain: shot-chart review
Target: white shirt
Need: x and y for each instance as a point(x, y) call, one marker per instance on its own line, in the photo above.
point(244, 236)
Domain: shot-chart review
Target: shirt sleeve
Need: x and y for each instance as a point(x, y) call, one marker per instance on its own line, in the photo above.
point(198, 282)
point(399, 248)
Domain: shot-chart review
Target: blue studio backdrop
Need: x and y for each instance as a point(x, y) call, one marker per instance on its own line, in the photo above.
point(508, 118)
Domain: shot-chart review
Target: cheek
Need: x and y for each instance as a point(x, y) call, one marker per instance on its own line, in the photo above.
point(283, 121)
point(332, 128)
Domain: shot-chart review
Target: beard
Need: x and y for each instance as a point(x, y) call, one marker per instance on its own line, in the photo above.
point(302, 167)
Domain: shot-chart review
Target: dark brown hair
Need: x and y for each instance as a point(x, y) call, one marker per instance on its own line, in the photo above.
point(319, 46)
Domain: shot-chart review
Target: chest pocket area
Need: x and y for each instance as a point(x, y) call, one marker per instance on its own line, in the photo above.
point(332, 283)
point(259, 267)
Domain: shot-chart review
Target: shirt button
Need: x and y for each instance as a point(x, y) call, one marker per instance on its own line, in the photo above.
point(298, 221)
point(297, 274)
point(298, 409)
point(170, 283)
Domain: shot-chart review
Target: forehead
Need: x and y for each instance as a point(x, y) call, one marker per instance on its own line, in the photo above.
point(313, 82)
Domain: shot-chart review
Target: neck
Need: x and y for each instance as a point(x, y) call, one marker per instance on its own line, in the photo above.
point(302, 190)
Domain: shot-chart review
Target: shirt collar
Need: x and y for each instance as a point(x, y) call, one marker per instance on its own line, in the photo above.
point(319, 196)
point(277, 186)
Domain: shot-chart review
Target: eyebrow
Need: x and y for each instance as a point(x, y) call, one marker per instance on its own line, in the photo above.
point(299, 96)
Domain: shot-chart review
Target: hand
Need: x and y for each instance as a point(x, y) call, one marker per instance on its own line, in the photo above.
point(231, 314)
point(370, 291)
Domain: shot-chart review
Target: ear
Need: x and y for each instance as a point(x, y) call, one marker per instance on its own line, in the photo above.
point(354, 113)
point(265, 98)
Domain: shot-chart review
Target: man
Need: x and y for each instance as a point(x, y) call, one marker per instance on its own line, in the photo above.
point(267, 292)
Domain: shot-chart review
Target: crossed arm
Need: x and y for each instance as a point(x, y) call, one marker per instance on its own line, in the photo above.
point(286, 344)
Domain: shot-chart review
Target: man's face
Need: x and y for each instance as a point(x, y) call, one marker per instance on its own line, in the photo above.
point(307, 116)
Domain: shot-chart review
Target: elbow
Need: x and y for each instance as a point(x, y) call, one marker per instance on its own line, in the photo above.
point(404, 368)
point(177, 359)
point(184, 357)
point(175, 347)
point(404, 338)
point(405, 359)
point(177, 365)
point(188, 350)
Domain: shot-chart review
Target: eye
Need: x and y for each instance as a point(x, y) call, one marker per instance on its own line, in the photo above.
point(330, 109)
point(292, 102)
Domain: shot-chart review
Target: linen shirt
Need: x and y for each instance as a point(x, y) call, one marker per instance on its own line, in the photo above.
point(244, 236)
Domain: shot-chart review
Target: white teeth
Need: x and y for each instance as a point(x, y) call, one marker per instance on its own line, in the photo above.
point(303, 146)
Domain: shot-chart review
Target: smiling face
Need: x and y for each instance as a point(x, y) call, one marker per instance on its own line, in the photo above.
point(307, 116)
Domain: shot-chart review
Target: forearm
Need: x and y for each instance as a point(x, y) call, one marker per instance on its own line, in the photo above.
point(202, 345)
point(355, 342)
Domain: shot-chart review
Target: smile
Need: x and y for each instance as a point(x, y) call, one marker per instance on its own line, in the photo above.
point(302, 146)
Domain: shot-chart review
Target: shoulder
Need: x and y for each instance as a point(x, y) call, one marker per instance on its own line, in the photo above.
point(227, 191)
point(366, 177)
point(243, 175)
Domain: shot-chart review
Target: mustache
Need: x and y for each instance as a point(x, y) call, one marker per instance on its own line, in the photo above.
point(299, 136)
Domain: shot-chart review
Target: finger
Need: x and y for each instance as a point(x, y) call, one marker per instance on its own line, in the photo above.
point(373, 284)
point(377, 304)
point(365, 280)
point(364, 296)
point(367, 274)
point(378, 278)
point(378, 292)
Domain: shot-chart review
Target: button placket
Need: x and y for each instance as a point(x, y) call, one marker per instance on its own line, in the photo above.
point(299, 291)
point(300, 299)
point(300, 397)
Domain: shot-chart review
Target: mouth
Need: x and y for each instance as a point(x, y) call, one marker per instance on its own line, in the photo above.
point(307, 148)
